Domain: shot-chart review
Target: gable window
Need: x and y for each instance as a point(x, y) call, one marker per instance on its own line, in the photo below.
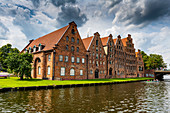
point(96, 48)
point(78, 60)
point(96, 55)
point(60, 58)
point(39, 70)
point(81, 72)
point(100, 48)
point(72, 72)
point(67, 38)
point(110, 43)
point(90, 61)
point(77, 49)
point(66, 58)
point(93, 46)
point(62, 72)
point(83, 60)
point(97, 42)
point(77, 41)
point(49, 57)
point(100, 62)
point(72, 48)
point(34, 50)
point(72, 39)
point(72, 31)
point(72, 59)
point(93, 54)
point(48, 71)
point(100, 55)
point(97, 64)
point(66, 47)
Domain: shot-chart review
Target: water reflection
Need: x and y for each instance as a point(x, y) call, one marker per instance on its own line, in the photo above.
point(129, 97)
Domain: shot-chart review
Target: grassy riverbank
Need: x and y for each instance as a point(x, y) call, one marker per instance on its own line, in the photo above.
point(15, 82)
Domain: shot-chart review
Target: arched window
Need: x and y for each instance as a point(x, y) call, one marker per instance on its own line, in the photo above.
point(72, 48)
point(67, 38)
point(72, 39)
point(97, 42)
point(77, 49)
point(39, 70)
point(77, 41)
point(72, 72)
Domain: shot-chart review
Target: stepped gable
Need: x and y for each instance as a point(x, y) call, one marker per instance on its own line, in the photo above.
point(87, 41)
point(124, 40)
point(49, 40)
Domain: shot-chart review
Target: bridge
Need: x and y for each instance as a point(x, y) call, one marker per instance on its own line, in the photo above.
point(159, 74)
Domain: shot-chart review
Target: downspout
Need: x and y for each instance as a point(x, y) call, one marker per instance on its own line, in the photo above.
point(54, 52)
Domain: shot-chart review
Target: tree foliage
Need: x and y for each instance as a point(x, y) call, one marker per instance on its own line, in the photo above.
point(19, 64)
point(4, 52)
point(153, 61)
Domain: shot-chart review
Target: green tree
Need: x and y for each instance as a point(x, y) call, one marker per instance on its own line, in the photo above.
point(19, 64)
point(4, 51)
point(153, 61)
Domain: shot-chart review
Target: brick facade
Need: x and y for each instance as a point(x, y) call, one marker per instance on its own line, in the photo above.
point(63, 55)
point(140, 64)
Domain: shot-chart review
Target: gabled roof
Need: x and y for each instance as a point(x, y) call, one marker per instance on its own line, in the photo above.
point(104, 40)
point(87, 41)
point(114, 40)
point(49, 40)
point(124, 41)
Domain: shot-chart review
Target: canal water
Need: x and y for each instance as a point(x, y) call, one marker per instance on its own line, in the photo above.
point(128, 97)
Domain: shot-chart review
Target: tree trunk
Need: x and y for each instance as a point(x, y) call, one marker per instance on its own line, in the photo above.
point(21, 77)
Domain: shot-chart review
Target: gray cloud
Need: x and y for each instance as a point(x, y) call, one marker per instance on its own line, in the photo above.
point(140, 12)
point(36, 3)
point(71, 13)
point(58, 3)
point(3, 31)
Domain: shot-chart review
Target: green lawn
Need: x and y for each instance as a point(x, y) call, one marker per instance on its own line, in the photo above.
point(15, 82)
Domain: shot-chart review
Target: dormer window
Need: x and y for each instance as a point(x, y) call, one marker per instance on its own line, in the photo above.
point(25, 50)
point(34, 48)
point(29, 49)
point(39, 47)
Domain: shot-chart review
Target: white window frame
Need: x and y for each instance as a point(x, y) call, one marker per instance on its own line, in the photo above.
point(48, 70)
point(72, 59)
point(72, 72)
point(83, 60)
point(62, 71)
point(78, 60)
point(34, 49)
point(81, 72)
point(49, 57)
point(60, 58)
point(66, 59)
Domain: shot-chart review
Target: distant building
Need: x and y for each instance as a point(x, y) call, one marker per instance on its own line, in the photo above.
point(140, 64)
point(62, 54)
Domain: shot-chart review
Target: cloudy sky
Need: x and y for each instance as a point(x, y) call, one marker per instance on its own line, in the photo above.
point(148, 21)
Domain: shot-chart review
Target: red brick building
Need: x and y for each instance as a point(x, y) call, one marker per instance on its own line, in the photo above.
point(62, 54)
point(140, 64)
point(96, 57)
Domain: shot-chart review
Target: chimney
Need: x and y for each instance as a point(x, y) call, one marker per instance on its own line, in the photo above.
point(31, 40)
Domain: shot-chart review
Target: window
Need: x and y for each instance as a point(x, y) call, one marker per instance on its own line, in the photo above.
point(39, 70)
point(100, 55)
point(77, 49)
point(81, 72)
point(67, 38)
point(62, 72)
point(25, 50)
point(83, 60)
point(48, 71)
point(34, 49)
point(93, 54)
point(93, 46)
point(110, 43)
point(72, 48)
point(93, 61)
point(91, 72)
point(77, 41)
point(103, 63)
point(72, 59)
point(78, 60)
point(100, 72)
point(100, 48)
point(97, 42)
point(103, 71)
point(100, 62)
point(66, 47)
point(72, 31)
point(97, 56)
point(49, 57)
point(90, 61)
point(29, 49)
point(96, 48)
point(66, 58)
point(72, 72)
point(97, 64)
point(110, 62)
point(60, 58)
point(39, 48)
point(72, 39)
